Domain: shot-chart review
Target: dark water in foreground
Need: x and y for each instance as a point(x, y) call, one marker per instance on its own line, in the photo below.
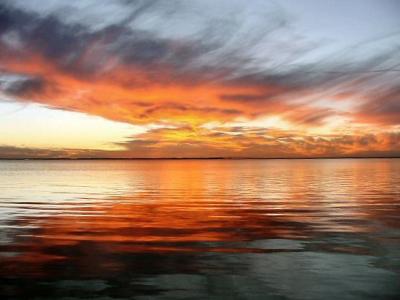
point(200, 229)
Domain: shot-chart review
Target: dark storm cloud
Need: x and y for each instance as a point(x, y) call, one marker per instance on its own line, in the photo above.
point(27, 87)
point(52, 36)
point(210, 52)
point(46, 36)
point(55, 40)
point(11, 18)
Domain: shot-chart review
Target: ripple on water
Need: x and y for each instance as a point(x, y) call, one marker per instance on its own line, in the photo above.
point(233, 229)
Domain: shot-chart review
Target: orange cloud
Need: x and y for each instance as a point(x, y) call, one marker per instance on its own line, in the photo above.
point(125, 75)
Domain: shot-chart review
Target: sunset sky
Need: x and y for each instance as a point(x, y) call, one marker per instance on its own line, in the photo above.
point(199, 78)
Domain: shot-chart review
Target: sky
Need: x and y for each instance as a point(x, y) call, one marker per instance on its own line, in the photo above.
point(199, 78)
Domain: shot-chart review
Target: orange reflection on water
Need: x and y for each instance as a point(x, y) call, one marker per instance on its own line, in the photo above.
point(191, 206)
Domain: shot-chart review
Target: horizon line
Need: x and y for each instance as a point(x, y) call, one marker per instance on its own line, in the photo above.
point(198, 158)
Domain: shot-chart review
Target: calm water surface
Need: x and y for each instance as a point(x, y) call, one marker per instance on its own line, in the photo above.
point(200, 229)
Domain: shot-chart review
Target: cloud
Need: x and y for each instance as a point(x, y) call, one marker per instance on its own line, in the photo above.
point(26, 87)
point(383, 108)
point(229, 143)
point(181, 65)
point(241, 142)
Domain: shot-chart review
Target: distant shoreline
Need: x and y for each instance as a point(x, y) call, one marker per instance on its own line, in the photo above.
point(200, 158)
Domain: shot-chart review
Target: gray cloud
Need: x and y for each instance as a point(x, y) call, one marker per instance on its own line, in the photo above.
point(234, 45)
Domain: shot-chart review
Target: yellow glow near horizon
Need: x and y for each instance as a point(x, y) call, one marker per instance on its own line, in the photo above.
point(35, 126)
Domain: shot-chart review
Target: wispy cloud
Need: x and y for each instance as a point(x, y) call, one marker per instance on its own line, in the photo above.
point(187, 65)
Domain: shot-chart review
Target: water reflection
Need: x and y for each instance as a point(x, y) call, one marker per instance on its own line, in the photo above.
point(242, 229)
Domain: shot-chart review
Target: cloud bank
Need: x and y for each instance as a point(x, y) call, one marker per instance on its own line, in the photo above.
point(210, 75)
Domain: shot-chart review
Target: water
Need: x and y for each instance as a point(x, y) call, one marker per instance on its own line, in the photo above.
point(200, 229)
